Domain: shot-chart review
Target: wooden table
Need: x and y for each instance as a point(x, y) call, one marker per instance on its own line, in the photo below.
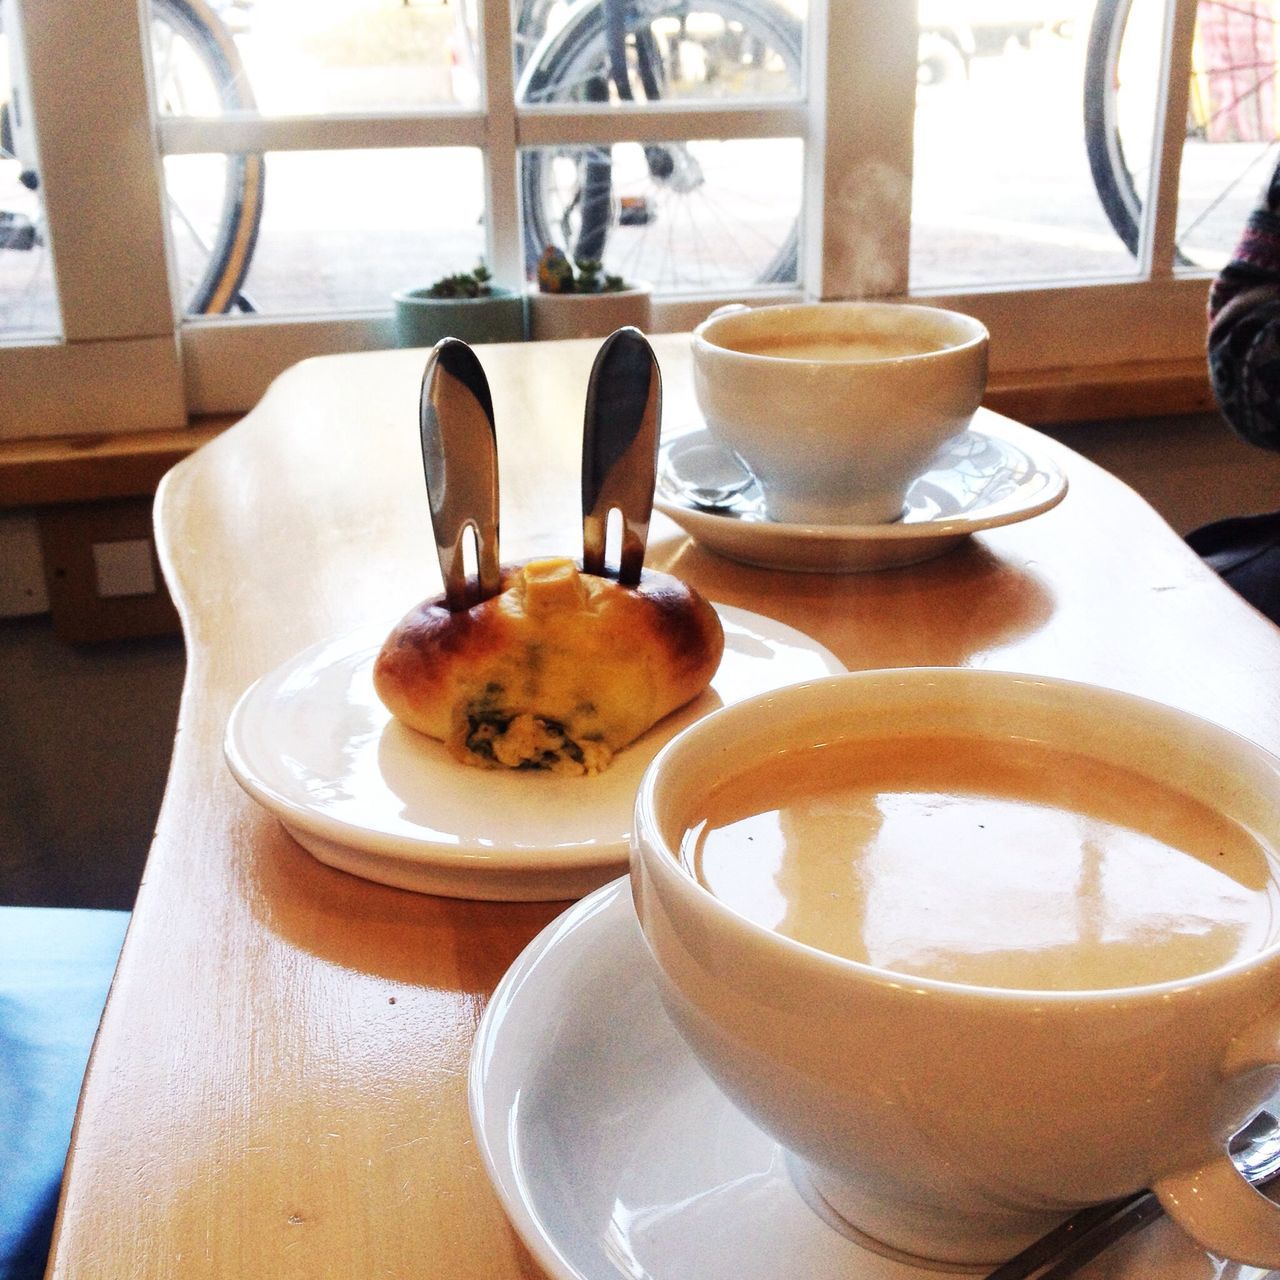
point(279, 1085)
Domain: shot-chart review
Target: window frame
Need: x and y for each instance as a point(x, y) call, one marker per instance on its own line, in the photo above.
point(130, 361)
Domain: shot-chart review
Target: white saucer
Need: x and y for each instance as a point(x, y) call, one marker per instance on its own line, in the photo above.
point(314, 745)
point(616, 1157)
point(996, 473)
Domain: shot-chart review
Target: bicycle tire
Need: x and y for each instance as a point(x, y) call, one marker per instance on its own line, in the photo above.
point(1112, 177)
point(218, 288)
point(575, 63)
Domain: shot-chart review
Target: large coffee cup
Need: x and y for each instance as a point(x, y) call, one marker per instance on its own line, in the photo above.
point(836, 407)
point(978, 949)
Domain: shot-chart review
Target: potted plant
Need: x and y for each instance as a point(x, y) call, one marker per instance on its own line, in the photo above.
point(467, 306)
point(579, 300)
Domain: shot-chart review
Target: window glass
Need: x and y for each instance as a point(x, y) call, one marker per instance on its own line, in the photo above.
point(685, 50)
point(687, 216)
point(1003, 186)
point(1229, 148)
point(28, 304)
point(305, 57)
point(1232, 115)
point(339, 230)
point(215, 210)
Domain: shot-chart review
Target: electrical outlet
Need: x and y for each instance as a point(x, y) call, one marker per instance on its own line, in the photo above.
point(124, 568)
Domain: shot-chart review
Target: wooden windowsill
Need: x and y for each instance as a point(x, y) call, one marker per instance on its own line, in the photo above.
point(87, 468)
point(1147, 390)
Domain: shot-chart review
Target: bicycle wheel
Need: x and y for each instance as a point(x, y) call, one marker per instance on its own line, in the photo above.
point(655, 208)
point(1231, 119)
point(197, 70)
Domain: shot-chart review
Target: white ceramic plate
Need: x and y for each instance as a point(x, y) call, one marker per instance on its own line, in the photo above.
point(314, 745)
point(616, 1157)
point(994, 474)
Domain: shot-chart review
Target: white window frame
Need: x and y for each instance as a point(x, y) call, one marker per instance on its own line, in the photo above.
point(129, 362)
point(84, 83)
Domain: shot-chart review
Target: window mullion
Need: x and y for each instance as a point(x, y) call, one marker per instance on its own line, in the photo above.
point(86, 95)
point(101, 185)
point(1160, 240)
point(575, 125)
point(197, 134)
point(502, 186)
point(866, 96)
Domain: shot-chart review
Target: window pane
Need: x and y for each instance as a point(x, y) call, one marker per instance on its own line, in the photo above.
point(675, 49)
point(340, 230)
point(215, 207)
point(681, 216)
point(1003, 190)
point(28, 304)
point(291, 57)
point(1230, 149)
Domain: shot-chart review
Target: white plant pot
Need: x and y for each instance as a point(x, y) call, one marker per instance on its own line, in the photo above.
point(588, 315)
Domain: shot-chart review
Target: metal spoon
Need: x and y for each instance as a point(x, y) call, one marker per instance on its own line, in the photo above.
point(620, 450)
point(1072, 1244)
point(711, 477)
point(460, 461)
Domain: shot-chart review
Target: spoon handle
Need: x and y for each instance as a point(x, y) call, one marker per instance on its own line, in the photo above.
point(620, 450)
point(460, 461)
point(1078, 1240)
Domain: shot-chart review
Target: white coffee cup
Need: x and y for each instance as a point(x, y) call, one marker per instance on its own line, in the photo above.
point(836, 407)
point(957, 1123)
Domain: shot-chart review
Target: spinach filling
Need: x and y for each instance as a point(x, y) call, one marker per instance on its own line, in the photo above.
point(485, 727)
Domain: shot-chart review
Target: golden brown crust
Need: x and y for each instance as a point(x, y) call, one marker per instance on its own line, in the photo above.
point(593, 663)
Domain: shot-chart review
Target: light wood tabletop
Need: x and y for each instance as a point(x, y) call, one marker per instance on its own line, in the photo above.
point(278, 1088)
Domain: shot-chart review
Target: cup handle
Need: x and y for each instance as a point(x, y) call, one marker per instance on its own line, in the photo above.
point(729, 308)
point(1215, 1203)
point(1217, 1206)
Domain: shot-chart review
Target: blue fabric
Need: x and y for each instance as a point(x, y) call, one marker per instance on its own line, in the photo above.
point(55, 969)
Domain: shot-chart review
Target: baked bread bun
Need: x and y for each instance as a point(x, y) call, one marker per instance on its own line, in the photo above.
point(559, 671)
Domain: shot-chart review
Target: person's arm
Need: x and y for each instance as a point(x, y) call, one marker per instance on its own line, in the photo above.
point(1244, 327)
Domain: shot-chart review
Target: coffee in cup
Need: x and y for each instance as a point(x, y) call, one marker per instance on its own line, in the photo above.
point(837, 407)
point(977, 948)
point(995, 863)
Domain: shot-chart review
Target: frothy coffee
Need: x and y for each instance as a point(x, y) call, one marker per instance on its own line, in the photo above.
point(836, 348)
point(1009, 864)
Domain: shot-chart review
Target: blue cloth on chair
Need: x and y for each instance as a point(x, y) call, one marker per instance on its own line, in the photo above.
point(55, 968)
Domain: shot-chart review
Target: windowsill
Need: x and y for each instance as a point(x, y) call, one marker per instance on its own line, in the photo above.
point(87, 468)
point(47, 471)
point(1101, 393)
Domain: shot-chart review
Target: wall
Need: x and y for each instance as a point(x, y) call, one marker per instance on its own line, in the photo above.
point(1192, 469)
point(87, 733)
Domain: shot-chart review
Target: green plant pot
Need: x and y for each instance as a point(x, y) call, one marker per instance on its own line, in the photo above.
point(421, 321)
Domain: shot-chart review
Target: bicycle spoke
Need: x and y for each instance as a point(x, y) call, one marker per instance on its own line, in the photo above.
point(1254, 14)
point(163, 41)
point(215, 204)
point(1251, 168)
point(702, 238)
point(175, 209)
point(1228, 107)
point(675, 49)
point(741, 230)
point(1231, 124)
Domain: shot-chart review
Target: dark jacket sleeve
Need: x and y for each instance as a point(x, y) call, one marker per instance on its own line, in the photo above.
point(1244, 328)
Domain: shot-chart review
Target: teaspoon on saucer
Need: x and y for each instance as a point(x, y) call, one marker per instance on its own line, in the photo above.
point(708, 475)
point(993, 474)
